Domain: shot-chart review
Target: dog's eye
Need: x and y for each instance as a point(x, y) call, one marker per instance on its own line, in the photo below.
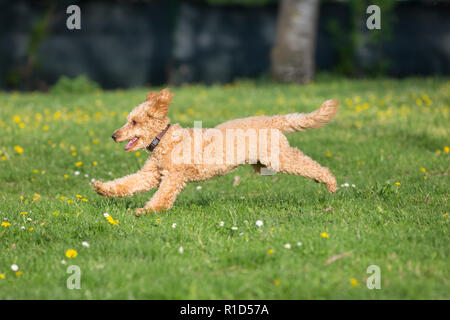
point(133, 123)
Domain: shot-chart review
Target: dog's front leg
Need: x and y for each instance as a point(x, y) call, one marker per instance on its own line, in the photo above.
point(141, 181)
point(163, 199)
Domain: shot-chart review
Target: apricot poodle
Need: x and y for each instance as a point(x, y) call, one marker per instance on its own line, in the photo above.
point(180, 155)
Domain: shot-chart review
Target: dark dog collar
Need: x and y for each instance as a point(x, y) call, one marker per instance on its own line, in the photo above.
point(158, 138)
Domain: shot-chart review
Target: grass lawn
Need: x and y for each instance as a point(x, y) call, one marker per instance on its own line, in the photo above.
point(390, 140)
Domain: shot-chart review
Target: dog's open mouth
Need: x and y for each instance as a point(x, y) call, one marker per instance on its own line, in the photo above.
point(131, 143)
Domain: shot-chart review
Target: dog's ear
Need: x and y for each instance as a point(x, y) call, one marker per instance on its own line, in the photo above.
point(160, 107)
point(151, 95)
point(165, 96)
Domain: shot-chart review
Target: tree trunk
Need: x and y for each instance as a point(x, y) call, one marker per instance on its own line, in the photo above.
point(294, 50)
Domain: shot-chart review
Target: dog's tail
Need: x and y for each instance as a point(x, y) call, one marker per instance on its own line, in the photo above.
point(299, 121)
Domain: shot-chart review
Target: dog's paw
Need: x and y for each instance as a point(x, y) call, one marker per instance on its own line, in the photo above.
point(98, 187)
point(141, 211)
point(332, 188)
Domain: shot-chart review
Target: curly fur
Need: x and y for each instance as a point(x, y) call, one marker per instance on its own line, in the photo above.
point(161, 170)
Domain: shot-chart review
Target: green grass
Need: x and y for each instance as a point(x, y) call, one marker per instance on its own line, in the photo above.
point(385, 133)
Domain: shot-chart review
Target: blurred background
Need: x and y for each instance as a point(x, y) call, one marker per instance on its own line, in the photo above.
point(133, 43)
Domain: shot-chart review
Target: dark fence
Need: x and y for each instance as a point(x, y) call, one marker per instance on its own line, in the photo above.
point(135, 43)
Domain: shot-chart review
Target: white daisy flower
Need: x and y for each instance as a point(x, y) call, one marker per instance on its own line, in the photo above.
point(234, 228)
point(259, 223)
point(22, 227)
point(287, 246)
point(76, 173)
point(174, 225)
point(245, 221)
point(299, 244)
point(14, 267)
point(199, 187)
point(221, 224)
point(86, 176)
point(106, 214)
point(241, 234)
point(180, 250)
point(85, 244)
point(63, 261)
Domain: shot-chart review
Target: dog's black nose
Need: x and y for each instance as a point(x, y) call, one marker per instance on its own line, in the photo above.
point(114, 136)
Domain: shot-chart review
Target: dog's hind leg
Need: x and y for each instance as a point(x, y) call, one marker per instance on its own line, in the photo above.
point(163, 199)
point(293, 161)
point(141, 181)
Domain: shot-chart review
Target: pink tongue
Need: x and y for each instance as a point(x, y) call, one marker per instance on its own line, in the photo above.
point(130, 143)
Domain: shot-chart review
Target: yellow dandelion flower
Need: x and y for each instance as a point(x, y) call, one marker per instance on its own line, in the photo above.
point(84, 200)
point(21, 197)
point(18, 149)
point(56, 213)
point(2, 276)
point(270, 251)
point(24, 213)
point(79, 196)
point(3, 158)
point(36, 197)
point(31, 229)
point(74, 154)
point(445, 215)
point(66, 176)
point(423, 170)
point(63, 198)
point(158, 220)
point(354, 282)
point(35, 171)
point(69, 201)
point(398, 184)
point(5, 224)
point(447, 149)
point(95, 163)
point(138, 154)
point(95, 141)
point(71, 253)
point(45, 128)
point(21, 125)
point(276, 282)
point(57, 115)
point(79, 163)
point(19, 273)
point(329, 155)
point(110, 219)
point(17, 119)
point(324, 235)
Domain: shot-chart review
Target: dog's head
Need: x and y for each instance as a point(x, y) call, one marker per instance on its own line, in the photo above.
point(145, 122)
